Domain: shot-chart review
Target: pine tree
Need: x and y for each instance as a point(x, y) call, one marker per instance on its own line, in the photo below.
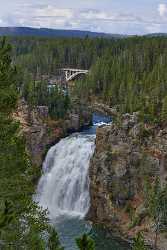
point(6, 215)
point(164, 110)
point(138, 243)
point(156, 202)
point(85, 243)
point(53, 242)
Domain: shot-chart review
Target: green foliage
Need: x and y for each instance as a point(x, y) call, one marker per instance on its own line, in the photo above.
point(22, 223)
point(136, 220)
point(164, 110)
point(138, 243)
point(129, 73)
point(58, 103)
point(6, 215)
point(85, 243)
point(156, 202)
point(8, 92)
point(42, 56)
point(155, 199)
point(39, 94)
point(53, 242)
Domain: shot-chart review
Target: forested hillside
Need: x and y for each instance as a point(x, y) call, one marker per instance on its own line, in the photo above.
point(132, 75)
point(44, 32)
point(39, 59)
point(129, 73)
point(45, 55)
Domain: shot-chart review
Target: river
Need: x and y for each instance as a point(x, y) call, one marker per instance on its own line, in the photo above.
point(64, 188)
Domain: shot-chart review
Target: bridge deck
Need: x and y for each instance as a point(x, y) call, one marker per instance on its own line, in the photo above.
point(75, 70)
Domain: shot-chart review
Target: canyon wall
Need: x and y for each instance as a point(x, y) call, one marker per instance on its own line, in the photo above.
point(125, 154)
point(40, 131)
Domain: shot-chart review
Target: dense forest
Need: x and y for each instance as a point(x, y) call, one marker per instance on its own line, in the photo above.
point(132, 76)
point(40, 59)
point(128, 73)
point(46, 55)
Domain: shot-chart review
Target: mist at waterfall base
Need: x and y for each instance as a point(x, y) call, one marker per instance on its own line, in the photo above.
point(64, 188)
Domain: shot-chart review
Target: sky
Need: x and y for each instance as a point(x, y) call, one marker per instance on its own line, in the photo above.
point(109, 16)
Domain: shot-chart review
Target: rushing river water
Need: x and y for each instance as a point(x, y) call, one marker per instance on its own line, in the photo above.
point(64, 188)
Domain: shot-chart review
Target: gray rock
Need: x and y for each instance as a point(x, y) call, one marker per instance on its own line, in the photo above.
point(117, 168)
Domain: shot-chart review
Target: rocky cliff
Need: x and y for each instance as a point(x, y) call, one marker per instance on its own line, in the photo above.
point(125, 153)
point(40, 131)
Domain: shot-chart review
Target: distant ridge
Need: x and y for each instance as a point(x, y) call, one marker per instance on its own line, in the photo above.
point(44, 32)
point(157, 35)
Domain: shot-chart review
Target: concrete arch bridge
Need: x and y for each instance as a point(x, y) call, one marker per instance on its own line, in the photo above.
point(72, 74)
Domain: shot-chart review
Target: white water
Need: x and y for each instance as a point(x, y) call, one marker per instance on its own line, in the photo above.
point(64, 186)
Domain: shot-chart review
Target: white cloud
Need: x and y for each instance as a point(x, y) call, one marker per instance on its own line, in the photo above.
point(162, 9)
point(111, 21)
point(95, 14)
point(51, 11)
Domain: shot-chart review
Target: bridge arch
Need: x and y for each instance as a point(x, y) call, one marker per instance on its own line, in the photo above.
point(71, 74)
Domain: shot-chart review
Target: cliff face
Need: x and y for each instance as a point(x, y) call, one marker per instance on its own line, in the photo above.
point(124, 154)
point(40, 131)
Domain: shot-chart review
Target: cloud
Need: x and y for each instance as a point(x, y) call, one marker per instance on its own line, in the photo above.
point(110, 21)
point(95, 14)
point(162, 9)
point(155, 28)
point(51, 11)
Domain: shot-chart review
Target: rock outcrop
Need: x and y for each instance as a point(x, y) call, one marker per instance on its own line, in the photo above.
point(125, 153)
point(40, 131)
point(104, 109)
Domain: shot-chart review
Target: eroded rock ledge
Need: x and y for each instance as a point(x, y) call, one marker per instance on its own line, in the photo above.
point(40, 131)
point(124, 154)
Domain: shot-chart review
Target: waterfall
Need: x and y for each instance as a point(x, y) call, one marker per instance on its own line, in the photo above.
point(64, 186)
